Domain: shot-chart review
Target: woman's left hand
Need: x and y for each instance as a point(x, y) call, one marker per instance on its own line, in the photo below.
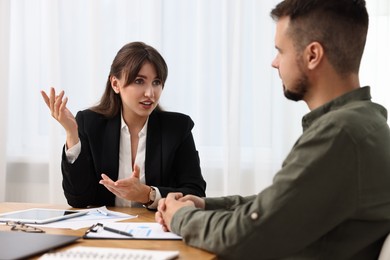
point(129, 188)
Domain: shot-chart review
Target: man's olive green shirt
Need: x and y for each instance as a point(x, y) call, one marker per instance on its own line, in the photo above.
point(330, 200)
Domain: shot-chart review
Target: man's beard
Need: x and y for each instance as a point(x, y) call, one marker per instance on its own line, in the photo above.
point(299, 89)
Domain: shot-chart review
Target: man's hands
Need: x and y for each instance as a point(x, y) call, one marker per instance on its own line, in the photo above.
point(130, 188)
point(171, 204)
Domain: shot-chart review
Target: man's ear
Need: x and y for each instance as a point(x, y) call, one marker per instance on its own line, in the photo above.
point(114, 84)
point(313, 55)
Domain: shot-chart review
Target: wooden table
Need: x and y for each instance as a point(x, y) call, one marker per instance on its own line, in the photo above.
point(144, 215)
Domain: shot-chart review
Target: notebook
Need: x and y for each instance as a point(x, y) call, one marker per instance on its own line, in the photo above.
point(21, 245)
point(87, 252)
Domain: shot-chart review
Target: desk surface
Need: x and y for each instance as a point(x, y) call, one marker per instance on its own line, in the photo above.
point(144, 215)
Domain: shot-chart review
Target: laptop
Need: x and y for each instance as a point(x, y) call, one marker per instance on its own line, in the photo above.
point(21, 245)
point(40, 216)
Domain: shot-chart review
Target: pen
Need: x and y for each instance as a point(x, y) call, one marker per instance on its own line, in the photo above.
point(102, 212)
point(118, 231)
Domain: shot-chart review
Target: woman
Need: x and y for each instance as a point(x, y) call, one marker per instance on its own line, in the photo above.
point(127, 128)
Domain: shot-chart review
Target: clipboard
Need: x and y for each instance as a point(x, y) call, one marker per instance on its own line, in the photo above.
point(132, 230)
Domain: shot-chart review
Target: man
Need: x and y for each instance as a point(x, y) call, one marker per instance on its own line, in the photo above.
point(331, 198)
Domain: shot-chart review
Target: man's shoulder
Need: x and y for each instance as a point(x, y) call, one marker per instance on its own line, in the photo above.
point(359, 113)
point(359, 118)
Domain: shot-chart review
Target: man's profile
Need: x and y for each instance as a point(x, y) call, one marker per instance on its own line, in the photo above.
point(331, 197)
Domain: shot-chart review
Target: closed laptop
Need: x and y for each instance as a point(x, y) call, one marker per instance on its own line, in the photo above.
point(21, 245)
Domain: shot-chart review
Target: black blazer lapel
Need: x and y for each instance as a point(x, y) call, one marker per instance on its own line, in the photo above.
point(110, 151)
point(153, 174)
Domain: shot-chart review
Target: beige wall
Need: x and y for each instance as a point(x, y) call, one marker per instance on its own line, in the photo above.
point(27, 182)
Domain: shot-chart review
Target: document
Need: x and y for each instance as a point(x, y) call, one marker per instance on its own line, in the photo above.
point(94, 215)
point(133, 230)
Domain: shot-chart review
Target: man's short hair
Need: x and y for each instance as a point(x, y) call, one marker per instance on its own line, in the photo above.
point(340, 26)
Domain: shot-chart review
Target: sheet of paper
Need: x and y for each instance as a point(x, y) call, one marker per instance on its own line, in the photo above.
point(101, 215)
point(139, 230)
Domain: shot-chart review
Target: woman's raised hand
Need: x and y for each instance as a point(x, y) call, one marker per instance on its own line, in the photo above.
point(59, 111)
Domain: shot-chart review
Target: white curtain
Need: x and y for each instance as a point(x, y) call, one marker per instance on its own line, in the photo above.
point(4, 43)
point(375, 67)
point(219, 56)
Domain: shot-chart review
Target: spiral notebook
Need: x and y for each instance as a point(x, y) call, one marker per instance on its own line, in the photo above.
point(87, 252)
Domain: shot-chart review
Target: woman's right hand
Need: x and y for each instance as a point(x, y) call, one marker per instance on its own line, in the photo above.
point(59, 111)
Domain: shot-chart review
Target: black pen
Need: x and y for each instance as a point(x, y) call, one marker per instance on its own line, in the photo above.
point(118, 231)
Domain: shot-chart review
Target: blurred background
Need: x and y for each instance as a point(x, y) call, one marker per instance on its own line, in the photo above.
point(219, 55)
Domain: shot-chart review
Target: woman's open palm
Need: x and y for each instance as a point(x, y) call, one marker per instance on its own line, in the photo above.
point(58, 109)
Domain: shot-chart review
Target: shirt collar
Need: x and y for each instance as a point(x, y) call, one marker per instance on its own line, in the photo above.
point(143, 130)
point(359, 94)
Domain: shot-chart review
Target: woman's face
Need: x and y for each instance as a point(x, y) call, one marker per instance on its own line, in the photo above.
point(140, 97)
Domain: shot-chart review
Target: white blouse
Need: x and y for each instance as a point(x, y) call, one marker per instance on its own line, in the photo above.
point(125, 167)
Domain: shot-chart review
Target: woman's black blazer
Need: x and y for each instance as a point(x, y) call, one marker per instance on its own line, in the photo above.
point(171, 160)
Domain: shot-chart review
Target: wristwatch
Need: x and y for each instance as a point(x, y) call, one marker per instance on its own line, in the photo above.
point(152, 197)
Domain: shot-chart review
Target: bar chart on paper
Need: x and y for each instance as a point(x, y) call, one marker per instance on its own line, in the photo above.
point(138, 230)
